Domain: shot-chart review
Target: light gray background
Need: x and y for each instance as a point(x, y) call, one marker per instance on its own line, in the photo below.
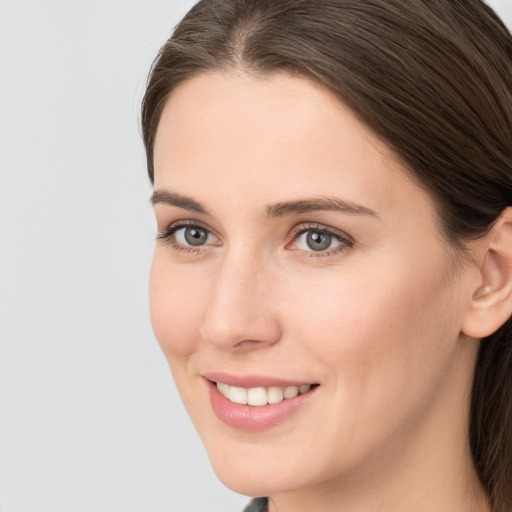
point(89, 418)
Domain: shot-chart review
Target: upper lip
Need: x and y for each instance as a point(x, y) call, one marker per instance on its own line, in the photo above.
point(253, 381)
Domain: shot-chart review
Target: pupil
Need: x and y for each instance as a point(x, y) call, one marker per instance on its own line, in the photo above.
point(318, 241)
point(195, 236)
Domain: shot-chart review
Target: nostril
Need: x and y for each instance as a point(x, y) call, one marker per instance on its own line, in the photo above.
point(248, 344)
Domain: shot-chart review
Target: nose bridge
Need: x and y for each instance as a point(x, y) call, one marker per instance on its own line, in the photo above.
point(240, 308)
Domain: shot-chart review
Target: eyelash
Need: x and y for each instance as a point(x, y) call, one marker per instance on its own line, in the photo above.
point(346, 241)
point(167, 236)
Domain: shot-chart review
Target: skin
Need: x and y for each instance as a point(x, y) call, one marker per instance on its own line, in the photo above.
point(377, 320)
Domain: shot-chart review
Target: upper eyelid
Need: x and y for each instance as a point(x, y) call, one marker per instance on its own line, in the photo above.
point(307, 226)
point(183, 223)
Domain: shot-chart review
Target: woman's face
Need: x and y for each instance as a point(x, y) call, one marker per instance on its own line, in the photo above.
point(296, 256)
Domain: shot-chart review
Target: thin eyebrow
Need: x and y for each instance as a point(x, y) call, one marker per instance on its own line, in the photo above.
point(317, 204)
point(174, 199)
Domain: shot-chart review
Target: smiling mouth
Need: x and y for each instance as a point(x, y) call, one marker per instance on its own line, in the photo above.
point(260, 396)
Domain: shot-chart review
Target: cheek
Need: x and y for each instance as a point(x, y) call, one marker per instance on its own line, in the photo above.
point(384, 336)
point(177, 308)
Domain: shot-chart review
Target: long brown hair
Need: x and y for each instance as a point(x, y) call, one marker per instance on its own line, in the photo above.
point(433, 78)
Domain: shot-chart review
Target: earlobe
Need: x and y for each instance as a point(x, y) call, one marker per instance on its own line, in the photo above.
point(491, 301)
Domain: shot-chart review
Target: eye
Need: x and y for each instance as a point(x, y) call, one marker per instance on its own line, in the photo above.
point(316, 241)
point(188, 237)
point(192, 235)
point(319, 240)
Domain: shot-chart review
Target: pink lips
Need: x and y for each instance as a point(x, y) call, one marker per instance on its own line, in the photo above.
point(251, 381)
point(253, 418)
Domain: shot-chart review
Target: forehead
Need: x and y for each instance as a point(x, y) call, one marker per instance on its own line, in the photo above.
point(269, 138)
point(245, 111)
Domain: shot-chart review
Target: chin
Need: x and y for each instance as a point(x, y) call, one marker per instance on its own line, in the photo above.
point(258, 468)
point(255, 478)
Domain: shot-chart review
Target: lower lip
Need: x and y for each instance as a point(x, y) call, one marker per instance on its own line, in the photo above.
point(255, 418)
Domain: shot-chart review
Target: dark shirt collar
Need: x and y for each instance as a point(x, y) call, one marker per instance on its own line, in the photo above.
point(257, 505)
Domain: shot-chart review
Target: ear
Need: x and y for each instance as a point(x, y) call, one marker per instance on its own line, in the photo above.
point(491, 301)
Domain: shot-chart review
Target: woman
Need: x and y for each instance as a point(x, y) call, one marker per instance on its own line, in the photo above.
point(332, 278)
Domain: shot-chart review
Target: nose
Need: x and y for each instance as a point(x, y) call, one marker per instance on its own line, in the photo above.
point(241, 314)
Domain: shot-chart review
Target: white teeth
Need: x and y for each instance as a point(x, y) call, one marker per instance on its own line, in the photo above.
point(223, 388)
point(257, 396)
point(260, 396)
point(237, 395)
point(291, 392)
point(275, 395)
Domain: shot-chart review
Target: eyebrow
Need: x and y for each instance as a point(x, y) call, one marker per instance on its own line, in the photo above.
point(173, 199)
point(317, 204)
point(281, 209)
